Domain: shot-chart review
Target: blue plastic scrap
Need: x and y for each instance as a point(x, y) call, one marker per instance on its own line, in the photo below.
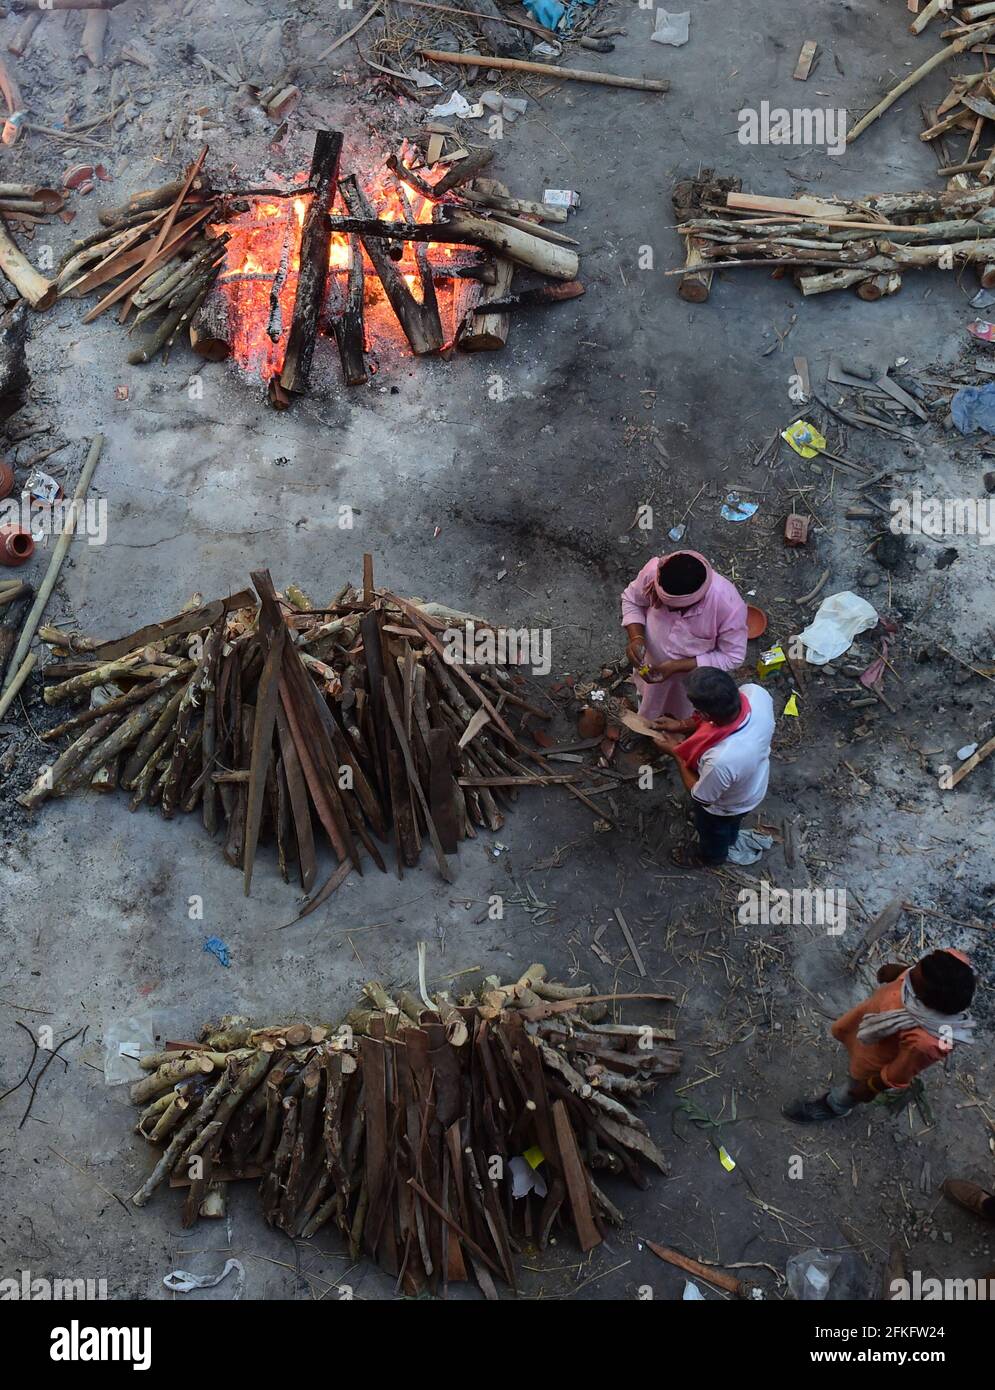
point(217, 947)
point(973, 408)
point(551, 14)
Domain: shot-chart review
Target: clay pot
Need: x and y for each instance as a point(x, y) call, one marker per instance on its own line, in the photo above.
point(6, 480)
point(16, 545)
point(756, 621)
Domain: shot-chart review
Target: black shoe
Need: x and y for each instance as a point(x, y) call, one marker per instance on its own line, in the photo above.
point(809, 1111)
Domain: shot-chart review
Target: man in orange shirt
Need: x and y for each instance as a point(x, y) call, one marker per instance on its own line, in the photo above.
point(912, 1021)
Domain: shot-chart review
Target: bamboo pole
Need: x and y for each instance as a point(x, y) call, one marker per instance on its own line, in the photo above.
point(14, 685)
point(603, 79)
point(58, 555)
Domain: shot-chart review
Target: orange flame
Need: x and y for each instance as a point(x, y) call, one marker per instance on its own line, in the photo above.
point(262, 266)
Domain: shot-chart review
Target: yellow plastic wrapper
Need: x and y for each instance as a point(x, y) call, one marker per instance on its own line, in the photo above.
point(804, 438)
point(792, 706)
point(726, 1159)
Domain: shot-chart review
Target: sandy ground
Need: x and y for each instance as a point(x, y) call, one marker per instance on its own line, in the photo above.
point(542, 485)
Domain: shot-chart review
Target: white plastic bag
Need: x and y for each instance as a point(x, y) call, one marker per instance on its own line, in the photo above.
point(671, 28)
point(832, 630)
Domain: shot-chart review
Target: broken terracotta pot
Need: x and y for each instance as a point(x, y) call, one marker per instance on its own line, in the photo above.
point(591, 723)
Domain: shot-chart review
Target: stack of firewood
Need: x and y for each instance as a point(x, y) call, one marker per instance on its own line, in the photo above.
point(158, 255)
point(162, 252)
point(438, 1137)
point(484, 216)
point(280, 718)
point(867, 244)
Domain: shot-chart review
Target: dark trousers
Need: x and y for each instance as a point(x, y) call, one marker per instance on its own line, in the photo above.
point(716, 834)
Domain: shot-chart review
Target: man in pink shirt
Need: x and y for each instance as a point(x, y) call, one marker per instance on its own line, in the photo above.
point(679, 615)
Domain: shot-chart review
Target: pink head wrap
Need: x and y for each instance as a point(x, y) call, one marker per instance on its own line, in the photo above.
point(658, 596)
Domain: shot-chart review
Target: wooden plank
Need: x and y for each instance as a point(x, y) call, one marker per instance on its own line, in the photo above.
point(575, 1176)
point(376, 1158)
point(183, 623)
point(796, 207)
point(633, 950)
point(267, 701)
point(969, 764)
point(806, 58)
point(441, 790)
point(300, 812)
point(412, 771)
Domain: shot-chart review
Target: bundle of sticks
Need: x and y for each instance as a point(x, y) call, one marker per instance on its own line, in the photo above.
point(275, 717)
point(867, 244)
point(156, 258)
point(438, 1137)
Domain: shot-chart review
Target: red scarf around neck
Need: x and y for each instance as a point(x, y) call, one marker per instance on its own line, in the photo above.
point(707, 734)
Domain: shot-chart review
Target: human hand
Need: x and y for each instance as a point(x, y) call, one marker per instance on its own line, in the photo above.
point(636, 652)
point(669, 725)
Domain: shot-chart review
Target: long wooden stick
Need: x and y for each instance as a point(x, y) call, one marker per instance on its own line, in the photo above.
point(55, 564)
point(712, 1276)
point(344, 38)
point(979, 35)
point(603, 79)
point(970, 763)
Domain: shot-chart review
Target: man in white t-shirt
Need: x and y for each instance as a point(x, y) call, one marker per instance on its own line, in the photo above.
point(725, 761)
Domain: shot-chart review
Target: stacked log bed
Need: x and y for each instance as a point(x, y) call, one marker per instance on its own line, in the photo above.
point(866, 244)
point(276, 719)
point(400, 1128)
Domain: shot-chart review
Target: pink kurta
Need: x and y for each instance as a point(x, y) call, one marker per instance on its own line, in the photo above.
point(713, 631)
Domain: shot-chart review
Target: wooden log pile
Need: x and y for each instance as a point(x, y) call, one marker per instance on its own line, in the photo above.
point(866, 244)
point(275, 719)
point(155, 260)
point(437, 1137)
point(158, 259)
point(467, 211)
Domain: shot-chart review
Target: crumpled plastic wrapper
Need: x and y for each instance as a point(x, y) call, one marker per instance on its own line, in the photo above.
point(671, 28)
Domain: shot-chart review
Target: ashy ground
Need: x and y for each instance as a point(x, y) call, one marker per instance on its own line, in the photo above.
point(519, 504)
